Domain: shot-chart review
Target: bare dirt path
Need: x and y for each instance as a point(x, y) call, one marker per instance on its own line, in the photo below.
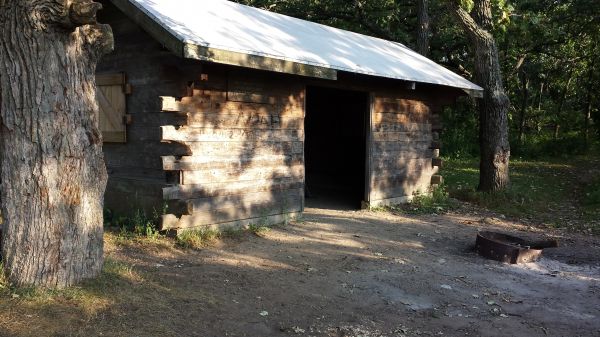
point(340, 273)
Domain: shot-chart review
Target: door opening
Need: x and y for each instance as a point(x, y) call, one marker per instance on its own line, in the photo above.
point(335, 147)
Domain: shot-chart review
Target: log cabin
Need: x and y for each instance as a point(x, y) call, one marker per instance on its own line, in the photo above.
point(230, 115)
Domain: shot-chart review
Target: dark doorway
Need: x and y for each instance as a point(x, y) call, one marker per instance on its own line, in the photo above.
point(335, 147)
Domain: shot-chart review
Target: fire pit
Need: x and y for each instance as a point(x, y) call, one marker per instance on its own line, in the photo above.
point(510, 249)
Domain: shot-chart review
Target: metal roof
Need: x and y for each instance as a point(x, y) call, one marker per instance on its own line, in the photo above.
point(217, 26)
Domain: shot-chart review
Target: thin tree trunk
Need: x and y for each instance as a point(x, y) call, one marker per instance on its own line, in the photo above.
point(588, 110)
point(493, 108)
point(52, 169)
point(423, 30)
point(523, 110)
point(561, 104)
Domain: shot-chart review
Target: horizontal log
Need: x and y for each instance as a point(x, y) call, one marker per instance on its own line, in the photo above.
point(186, 222)
point(242, 150)
point(381, 166)
point(191, 163)
point(402, 127)
point(386, 105)
point(399, 118)
point(192, 134)
point(401, 137)
point(185, 192)
point(247, 201)
point(242, 174)
point(437, 162)
point(206, 104)
point(244, 120)
point(437, 180)
point(386, 188)
point(380, 147)
point(402, 154)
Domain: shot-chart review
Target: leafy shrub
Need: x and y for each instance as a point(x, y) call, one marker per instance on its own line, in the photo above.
point(137, 225)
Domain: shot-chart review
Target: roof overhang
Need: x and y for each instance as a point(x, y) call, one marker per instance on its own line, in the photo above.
point(203, 53)
point(299, 47)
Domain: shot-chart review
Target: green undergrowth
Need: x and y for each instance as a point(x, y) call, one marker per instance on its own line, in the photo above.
point(197, 238)
point(437, 201)
point(552, 191)
point(138, 225)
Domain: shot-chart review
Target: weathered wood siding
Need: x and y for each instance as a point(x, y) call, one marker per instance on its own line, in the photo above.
point(225, 145)
point(136, 177)
point(245, 133)
point(404, 145)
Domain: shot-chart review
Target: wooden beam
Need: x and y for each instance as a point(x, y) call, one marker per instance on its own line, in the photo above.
point(437, 179)
point(203, 53)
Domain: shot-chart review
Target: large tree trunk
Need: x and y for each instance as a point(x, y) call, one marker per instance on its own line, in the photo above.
point(52, 169)
point(423, 29)
point(493, 108)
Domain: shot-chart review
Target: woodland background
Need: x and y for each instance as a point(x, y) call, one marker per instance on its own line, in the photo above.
point(548, 50)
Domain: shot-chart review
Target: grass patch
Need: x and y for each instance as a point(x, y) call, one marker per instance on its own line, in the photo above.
point(197, 238)
point(551, 191)
point(592, 194)
point(139, 227)
point(437, 201)
point(259, 230)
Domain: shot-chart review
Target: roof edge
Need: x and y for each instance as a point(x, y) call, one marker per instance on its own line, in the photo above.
point(204, 53)
point(151, 26)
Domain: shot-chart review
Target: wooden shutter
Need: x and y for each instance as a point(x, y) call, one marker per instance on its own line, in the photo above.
point(111, 100)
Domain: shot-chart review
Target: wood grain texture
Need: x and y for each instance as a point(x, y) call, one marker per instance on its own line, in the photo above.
point(51, 168)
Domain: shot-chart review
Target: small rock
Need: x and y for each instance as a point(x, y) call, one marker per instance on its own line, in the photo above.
point(441, 261)
point(445, 286)
point(264, 313)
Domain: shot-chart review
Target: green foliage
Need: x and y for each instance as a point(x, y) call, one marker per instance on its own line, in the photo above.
point(139, 224)
point(548, 51)
point(547, 191)
point(592, 194)
point(435, 202)
point(258, 229)
point(197, 238)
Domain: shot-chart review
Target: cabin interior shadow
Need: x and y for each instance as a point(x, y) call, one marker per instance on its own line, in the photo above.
point(335, 147)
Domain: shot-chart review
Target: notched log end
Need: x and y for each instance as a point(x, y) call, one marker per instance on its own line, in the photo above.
point(99, 38)
point(83, 12)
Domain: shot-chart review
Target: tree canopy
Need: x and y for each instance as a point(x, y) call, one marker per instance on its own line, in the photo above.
point(547, 49)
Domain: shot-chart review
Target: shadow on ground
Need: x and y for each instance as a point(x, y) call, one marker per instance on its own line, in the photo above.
point(334, 273)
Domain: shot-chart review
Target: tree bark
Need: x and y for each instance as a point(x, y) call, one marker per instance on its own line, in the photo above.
point(423, 29)
point(52, 168)
point(589, 106)
point(561, 104)
point(493, 108)
point(523, 110)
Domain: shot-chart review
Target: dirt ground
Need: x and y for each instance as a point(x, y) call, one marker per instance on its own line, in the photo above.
point(339, 273)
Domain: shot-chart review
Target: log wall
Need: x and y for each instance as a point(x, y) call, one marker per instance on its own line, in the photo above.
point(246, 157)
point(404, 151)
point(223, 145)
